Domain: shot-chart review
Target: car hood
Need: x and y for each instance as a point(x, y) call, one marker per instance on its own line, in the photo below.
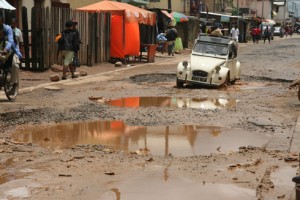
point(205, 63)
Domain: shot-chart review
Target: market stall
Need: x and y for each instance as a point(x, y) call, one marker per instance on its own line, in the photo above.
point(125, 20)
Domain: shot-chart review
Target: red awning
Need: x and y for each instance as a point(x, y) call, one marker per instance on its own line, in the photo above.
point(131, 13)
point(167, 14)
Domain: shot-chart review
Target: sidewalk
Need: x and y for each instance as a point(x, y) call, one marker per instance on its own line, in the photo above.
point(30, 81)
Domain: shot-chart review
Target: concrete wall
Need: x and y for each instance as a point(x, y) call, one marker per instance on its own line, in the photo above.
point(257, 6)
point(182, 6)
point(79, 4)
point(280, 14)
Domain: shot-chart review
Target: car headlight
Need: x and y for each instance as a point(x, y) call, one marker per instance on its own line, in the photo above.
point(185, 64)
point(218, 68)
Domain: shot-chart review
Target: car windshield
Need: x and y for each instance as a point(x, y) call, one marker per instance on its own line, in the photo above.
point(211, 48)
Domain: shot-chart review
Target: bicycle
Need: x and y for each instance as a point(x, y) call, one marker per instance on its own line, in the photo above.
point(11, 89)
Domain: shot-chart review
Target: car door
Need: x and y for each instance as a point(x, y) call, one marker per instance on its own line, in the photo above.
point(232, 61)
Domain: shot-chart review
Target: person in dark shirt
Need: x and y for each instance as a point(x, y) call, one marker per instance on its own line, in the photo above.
point(76, 62)
point(171, 35)
point(69, 43)
point(267, 35)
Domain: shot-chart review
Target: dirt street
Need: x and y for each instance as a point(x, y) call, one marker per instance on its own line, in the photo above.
point(131, 134)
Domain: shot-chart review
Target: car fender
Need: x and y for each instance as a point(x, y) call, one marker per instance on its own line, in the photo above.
point(182, 71)
point(216, 75)
point(238, 69)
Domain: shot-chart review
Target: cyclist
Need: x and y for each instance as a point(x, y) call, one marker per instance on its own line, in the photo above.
point(3, 43)
point(11, 46)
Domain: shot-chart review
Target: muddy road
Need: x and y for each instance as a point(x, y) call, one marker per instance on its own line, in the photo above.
point(131, 134)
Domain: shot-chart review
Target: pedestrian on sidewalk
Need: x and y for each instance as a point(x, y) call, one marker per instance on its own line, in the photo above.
point(18, 35)
point(234, 32)
point(69, 43)
point(171, 35)
point(76, 62)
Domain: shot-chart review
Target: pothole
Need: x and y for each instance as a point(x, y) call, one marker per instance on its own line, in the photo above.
point(153, 78)
point(181, 140)
point(263, 78)
point(258, 85)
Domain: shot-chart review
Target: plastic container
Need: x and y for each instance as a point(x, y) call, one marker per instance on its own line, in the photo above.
point(178, 44)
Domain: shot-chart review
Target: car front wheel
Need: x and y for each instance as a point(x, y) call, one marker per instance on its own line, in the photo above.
point(227, 80)
point(179, 84)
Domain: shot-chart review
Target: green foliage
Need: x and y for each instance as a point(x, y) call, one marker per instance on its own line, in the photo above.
point(234, 11)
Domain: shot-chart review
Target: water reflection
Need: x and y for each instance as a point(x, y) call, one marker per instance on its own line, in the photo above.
point(159, 140)
point(173, 102)
point(149, 185)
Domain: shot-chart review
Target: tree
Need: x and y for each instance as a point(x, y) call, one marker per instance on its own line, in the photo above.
point(234, 11)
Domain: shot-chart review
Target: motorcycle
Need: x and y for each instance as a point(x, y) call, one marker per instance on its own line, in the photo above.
point(10, 89)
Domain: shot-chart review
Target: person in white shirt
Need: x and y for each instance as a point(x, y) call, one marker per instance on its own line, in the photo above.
point(235, 35)
point(17, 34)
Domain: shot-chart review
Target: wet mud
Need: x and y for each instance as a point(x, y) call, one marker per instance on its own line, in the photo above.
point(153, 78)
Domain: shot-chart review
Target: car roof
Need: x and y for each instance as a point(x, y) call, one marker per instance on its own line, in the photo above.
point(214, 39)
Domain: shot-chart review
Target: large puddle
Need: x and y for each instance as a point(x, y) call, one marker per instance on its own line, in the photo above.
point(183, 140)
point(171, 102)
point(164, 184)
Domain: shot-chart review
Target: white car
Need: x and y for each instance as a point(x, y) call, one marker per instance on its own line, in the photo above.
point(213, 62)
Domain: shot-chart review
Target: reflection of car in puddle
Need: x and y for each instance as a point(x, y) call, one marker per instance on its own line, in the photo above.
point(174, 102)
point(206, 104)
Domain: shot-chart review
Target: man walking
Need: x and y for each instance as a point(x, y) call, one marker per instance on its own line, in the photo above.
point(235, 34)
point(267, 35)
point(171, 35)
point(69, 42)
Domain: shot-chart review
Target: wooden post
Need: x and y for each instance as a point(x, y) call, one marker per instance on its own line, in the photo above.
point(25, 37)
point(33, 38)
